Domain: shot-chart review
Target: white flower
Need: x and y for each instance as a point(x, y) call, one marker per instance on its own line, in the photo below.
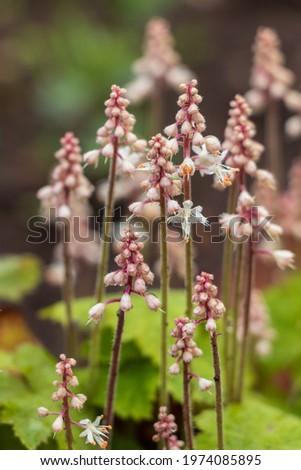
point(188, 215)
point(94, 432)
point(187, 167)
point(136, 208)
point(284, 258)
point(128, 160)
point(205, 384)
point(212, 164)
point(78, 401)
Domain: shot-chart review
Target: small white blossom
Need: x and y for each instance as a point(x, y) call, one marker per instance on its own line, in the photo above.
point(188, 215)
point(94, 432)
point(284, 258)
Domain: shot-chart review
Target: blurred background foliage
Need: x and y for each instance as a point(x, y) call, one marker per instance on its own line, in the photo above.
point(58, 61)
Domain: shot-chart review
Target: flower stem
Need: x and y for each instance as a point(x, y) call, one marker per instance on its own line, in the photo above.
point(188, 256)
point(103, 264)
point(246, 318)
point(272, 140)
point(66, 418)
point(68, 290)
point(187, 416)
point(164, 298)
point(237, 296)
point(218, 392)
point(114, 368)
point(226, 286)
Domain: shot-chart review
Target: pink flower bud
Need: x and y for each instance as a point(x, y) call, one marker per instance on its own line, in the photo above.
point(187, 357)
point(212, 144)
point(91, 157)
point(205, 384)
point(58, 424)
point(172, 206)
point(42, 412)
point(64, 211)
point(139, 285)
point(211, 326)
point(97, 312)
point(125, 303)
point(136, 208)
point(172, 130)
point(78, 401)
point(109, 279)
point(174, 369)
point(108, 150)
point(73, 381)
point(152, 302)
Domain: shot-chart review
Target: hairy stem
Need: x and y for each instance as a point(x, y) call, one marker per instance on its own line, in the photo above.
point(103, 265)
point(187, 415)
point(68, 290)
point(218, 392)
point(188, 256)
point(114, 368)
point(273, 140)
point(164, 298)
point(246, 319)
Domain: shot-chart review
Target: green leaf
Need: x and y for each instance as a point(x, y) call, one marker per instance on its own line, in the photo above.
point(21, 413)
point(251, 425)
point(19, 274)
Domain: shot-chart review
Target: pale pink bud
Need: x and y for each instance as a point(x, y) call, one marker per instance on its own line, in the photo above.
point(42, 412)
point(152, 302)
point(266, 179)
point(131, 138)
point(125, 303)
point(77, 402)
point(58, 424)
point(73, 381)
point(198, 139)
point(171, 130)
point(246, 200)
point(70, 181)
point(205, 384)
point(197, 352)
point(173, 145)
point(174, 369)
point(109, 279)
point(187, 357)
point(186, 127)
point(108, 150)
point(165, 182)
point(139, 285)
point(120, 278)
point(91, 157)
point(139, 145)
point(152, 194)
point(172, 206)
point(97, 311)
point(136, 208)
point(211, 325)
point(119, 132)
point(189, 329)
point(212, 144)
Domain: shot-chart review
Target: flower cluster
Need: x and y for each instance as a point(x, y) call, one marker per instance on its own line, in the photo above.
point(243, 151)
point(208, 308)
point(67, 179)
point(162, 176)
point(188, 131)
point(248, 221)
point(160, 63)
point(165, 429)
point(116, 132)
point(270, 79)
point(92, 431)
point(185, 349)
point(133, 273)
